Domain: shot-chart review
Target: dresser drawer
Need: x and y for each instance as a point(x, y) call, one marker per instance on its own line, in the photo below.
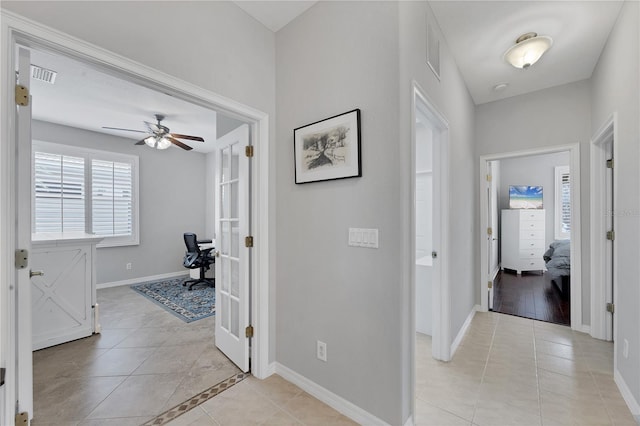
point(531, 224)
point(532, 215)
point(531, 234)
point(531, 264)
point(527, 244)
point(531, 254)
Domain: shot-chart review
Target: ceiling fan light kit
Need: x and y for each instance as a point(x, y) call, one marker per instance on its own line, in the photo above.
point(528, 49)
point(160, 136)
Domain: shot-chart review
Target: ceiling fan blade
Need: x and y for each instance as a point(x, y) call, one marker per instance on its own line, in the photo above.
point(178, 143)
point(142, 142)
point(153, 127)
point(191, 138)
point(124, 130)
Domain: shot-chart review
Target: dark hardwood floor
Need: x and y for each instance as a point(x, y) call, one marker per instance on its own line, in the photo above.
point(530, 295)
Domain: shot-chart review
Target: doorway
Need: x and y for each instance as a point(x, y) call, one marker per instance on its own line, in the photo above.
point(603, 243)
point(16, 319)
point(530, 211)
point(429, 224)
point(514, 260)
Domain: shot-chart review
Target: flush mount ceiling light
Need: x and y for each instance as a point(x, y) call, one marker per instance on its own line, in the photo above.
point(528, 49)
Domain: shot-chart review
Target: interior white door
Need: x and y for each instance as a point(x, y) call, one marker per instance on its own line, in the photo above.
point(24, 370)
point(490, 234)
point(609, 249)
point(232, 255)
point(493, 210)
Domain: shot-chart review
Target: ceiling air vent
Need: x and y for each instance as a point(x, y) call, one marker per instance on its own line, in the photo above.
point(43, 74)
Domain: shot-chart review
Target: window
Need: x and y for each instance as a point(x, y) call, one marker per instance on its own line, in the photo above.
point(562, 203)
point(78, 189)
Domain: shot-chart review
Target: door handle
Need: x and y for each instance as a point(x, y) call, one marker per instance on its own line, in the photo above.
point(35, 274)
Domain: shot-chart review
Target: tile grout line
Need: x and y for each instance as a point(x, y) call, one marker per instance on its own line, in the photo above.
point(535, 359)
point(484, 370)
point(196, 400)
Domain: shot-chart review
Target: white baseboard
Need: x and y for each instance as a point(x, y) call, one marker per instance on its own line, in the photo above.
point(627, 395)
point(271, 370)
point(463, 329)
point(336, 402)
point(409, 421)
point(141, 279)
point(585, 329)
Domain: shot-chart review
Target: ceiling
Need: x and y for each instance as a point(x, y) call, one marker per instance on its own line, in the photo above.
point(275, 14)
point(479, 32)
point(87, 98)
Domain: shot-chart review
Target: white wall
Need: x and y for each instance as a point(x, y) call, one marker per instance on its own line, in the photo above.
point(451, 97)
point(335, 57)
point(533, 170)
point(614, 88)
point(213, 44)
point(555, 116)
point(163, 175)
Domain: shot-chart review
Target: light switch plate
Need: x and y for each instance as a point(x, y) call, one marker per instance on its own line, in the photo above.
point(362, 237)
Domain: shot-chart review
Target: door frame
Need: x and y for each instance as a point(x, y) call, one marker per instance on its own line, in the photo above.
point(19, 30)
point(576, 238)
point(441, 306)
point(600, 325)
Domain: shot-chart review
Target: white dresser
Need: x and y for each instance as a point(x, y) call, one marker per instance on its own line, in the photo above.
point(522, 237)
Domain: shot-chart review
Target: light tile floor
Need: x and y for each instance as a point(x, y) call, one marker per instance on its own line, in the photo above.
point(507, 371)
point(515, 371)
point(147, 361)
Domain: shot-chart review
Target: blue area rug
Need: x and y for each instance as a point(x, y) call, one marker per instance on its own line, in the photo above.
point(187, 305)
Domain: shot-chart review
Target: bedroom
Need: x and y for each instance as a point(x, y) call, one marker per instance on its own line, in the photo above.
point(531, 254)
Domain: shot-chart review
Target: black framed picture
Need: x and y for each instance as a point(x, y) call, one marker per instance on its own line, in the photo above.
point(328, 149)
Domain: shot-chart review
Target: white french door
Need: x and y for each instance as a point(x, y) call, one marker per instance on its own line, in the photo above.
point(23, 340)
point(232, 254)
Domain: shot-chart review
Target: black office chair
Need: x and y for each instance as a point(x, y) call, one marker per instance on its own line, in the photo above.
point(196, 258)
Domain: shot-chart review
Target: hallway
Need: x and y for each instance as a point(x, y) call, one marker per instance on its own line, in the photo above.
point(516, 371)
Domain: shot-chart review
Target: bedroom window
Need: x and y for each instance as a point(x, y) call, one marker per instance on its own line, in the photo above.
point(78, 189)
point(562, 203)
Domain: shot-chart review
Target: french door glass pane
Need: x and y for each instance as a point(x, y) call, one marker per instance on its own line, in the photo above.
point(235, 155)
point(224, 311)
point(235, 317)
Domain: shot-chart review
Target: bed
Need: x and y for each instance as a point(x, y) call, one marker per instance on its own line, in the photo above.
point(558, 263)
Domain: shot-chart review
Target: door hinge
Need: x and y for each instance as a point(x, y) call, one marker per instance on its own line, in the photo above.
point(610, 164)
point(2, 373)
point(248, 241)
point(248, 331)
point(490, 284)
point(248, 150)
point(21, 258)
point(488, 178)
point(22, 95)
point(22, 419)
point(489, 231)
point(611, 235)
point(611, 307)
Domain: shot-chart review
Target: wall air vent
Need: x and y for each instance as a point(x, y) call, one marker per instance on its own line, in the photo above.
point(43, 74)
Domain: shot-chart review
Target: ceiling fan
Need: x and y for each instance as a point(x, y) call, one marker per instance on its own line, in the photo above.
point(160, 137)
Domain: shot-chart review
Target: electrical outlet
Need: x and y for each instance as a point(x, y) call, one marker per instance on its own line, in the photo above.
point(321, 351)
point(625, 348)
point(128, 266)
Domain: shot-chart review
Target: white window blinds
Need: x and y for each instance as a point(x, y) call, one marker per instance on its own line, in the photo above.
point(565, 194)
point(562, 208)
point(112, 206)
point(79, 189)
point(59, 193)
